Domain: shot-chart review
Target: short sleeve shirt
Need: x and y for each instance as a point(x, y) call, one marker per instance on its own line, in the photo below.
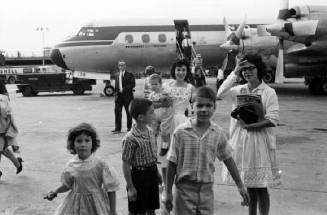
point(194, 155)
point(140, 148)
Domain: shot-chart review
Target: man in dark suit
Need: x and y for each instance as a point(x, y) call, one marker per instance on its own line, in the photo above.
point(124, 87)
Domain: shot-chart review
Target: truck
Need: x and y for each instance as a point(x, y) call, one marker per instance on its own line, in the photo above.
point(9, 74)
point(33, 83)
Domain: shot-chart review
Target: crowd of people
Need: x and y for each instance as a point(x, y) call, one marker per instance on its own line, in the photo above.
point(173, 131)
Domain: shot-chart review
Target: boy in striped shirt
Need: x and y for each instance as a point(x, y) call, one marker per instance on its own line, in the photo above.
point(194, 148)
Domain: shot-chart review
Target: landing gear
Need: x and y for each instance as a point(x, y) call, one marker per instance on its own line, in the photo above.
point(318, 86)
point(109, 90)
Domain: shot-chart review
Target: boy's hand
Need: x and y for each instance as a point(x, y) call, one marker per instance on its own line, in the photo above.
point(169, 201)
point(245, 196)
point(132, 194)
point(163, 151)
point(49, 196)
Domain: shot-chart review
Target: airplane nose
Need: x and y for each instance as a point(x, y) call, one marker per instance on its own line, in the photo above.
point(57, 58)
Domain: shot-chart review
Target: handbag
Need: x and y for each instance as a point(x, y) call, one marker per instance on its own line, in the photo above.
point(246, 112)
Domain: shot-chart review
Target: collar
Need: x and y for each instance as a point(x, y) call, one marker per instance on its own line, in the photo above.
point(261, 86)
point(77, 159)
point(138, 133)
point(188, 125)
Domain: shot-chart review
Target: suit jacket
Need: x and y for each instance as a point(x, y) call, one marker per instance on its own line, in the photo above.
point(128, 83)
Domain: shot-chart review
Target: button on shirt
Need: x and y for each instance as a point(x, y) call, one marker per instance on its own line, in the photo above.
point(194, 155)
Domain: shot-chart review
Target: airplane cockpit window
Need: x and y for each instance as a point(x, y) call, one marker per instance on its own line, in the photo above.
point(145, 38)
point(162, 38)
point(129, 38)
point(87, 32)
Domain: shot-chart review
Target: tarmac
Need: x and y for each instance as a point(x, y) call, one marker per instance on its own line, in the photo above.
point(44, 121)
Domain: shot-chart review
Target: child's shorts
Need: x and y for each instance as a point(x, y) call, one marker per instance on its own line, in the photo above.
point(147, 187)
point(193, 198)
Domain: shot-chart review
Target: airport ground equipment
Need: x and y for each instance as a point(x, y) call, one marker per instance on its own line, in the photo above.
point(33, 83)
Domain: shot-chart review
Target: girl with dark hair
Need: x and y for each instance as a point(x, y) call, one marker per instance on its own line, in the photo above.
point(254, 143)
point(91, 182)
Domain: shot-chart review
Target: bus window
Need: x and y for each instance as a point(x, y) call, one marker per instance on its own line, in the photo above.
point(145, 38)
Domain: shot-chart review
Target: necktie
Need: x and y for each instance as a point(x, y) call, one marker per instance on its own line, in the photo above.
point(121, 81)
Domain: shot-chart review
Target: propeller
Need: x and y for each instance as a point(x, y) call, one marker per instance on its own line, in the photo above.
point(233, 38)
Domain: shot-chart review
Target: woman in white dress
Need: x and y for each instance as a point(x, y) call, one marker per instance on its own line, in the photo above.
point(179, 91)
point(254, 144)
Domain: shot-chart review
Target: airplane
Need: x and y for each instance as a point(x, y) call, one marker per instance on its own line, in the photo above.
point(98, 46)
point(300, 34)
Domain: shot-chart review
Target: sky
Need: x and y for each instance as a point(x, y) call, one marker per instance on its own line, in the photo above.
point(20, 19)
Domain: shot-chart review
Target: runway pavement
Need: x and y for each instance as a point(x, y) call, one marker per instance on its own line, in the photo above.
point(44, 120)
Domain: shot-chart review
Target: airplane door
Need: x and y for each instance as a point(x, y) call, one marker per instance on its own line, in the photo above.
point(181, 28)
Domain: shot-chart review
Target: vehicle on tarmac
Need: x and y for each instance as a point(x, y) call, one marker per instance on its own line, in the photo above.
point(33, 83)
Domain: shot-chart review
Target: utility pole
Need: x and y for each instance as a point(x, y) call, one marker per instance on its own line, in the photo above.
point(43, 29)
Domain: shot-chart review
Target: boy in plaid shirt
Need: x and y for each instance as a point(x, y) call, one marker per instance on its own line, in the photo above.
point(195, 146)
point(140, 160)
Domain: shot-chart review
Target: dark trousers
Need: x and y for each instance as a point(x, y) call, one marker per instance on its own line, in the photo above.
point(119, 104)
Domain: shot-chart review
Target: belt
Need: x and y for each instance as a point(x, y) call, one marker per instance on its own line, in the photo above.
point(144, 168)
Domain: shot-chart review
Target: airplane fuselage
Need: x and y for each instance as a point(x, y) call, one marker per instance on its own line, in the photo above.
point(98, 49)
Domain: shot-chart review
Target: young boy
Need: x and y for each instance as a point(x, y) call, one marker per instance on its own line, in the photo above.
point(194, 148)
point(140, 160)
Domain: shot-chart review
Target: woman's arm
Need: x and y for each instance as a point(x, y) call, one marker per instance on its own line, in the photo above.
point(258, 125)
point(229, 82)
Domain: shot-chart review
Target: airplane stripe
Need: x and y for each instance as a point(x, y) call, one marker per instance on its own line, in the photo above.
point(84, 43)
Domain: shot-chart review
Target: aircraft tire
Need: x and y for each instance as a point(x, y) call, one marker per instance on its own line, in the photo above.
point(28, 91)
point(78, 89)
point(109, 90)
point(318, 87)
point(11, 80)
point(324, 86)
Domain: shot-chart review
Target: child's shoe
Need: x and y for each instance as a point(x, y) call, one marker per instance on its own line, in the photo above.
point(15, 149)
point(20, 168)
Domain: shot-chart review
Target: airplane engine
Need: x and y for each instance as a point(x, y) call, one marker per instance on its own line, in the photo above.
point(299, 28)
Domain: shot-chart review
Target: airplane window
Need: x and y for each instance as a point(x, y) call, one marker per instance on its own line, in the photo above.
point(145, 38)
point(129, 38)
point(162, 38)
